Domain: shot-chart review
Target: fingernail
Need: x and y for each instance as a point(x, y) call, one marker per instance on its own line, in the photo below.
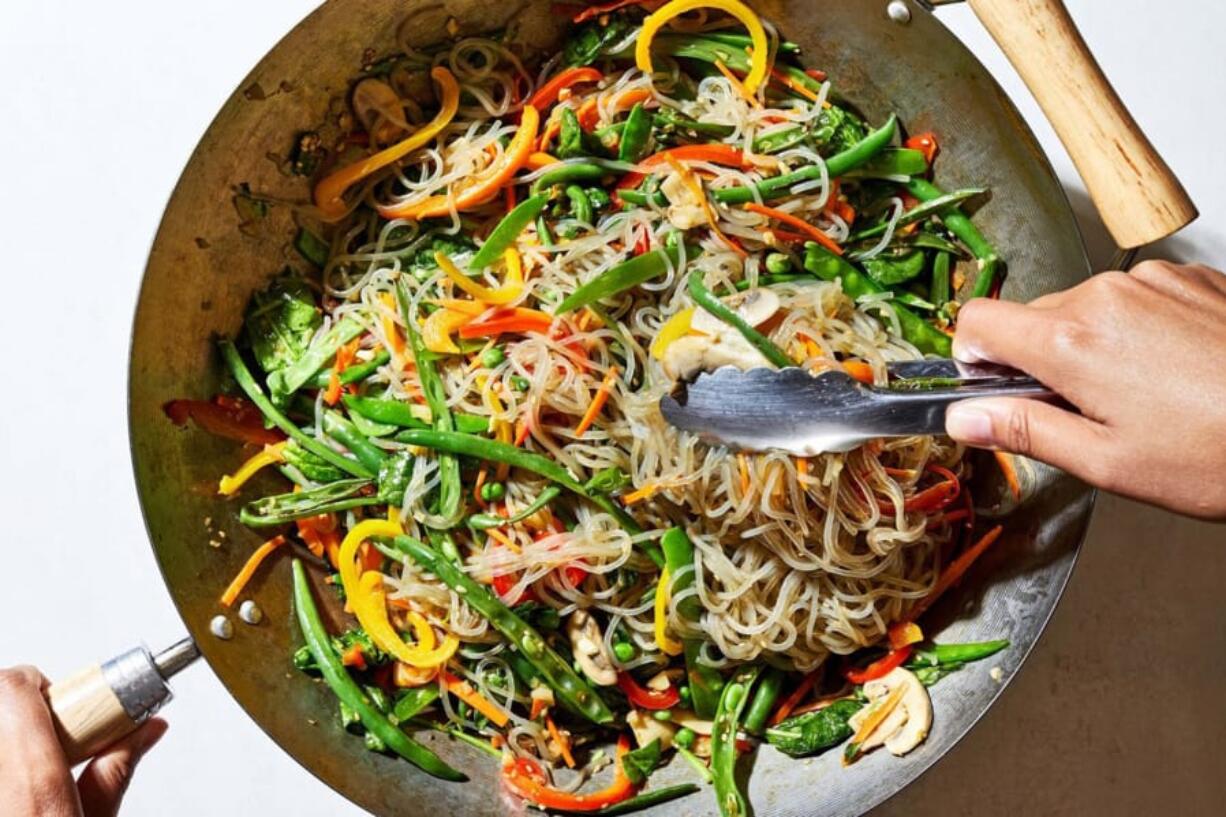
point(968, 424)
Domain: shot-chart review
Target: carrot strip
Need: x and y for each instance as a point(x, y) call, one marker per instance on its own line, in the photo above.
point(248, 570)
point(563, 743)
point(737, 85)
point(792, 85)
point(797, 695)
point(800, 224)
point(464, 691)
point(602, 397)
point(950, 576)
point(743, 463)
point(1009, 468)
point(859, 370)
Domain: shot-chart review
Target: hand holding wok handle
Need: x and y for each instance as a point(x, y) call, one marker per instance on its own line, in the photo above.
point(107, 701)
point(1137, 196)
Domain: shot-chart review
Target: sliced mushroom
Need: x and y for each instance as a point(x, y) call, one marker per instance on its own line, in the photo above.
point(686, 718)
point(908, 724)
point(684, 210)
point(646, 729)
point(378, 108)
point(718, 344)
point(588, 647)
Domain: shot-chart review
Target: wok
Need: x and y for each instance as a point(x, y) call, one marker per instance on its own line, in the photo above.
point(205, 263)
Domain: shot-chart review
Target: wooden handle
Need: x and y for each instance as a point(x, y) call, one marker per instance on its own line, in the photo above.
point(1138, 197)
point(88, 715)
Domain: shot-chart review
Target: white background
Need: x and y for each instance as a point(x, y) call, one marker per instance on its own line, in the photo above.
point(103, 103)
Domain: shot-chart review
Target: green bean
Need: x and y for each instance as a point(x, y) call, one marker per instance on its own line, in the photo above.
point(562, 173)
point(723, 742)
point(955, 653)
point(285, 382)
point(636, 136)
point(829, 267)
point(640, 199)
point(707, 48)
point(623, 276)
point(939, 291)
point(555, 671)
point(399, 413)
point(743, 41)
point(247, 383)
point(279, 509)
point(459, 734)
point(485, 521)
point(650, 798)
point(352, 695)
point(837, 165)
point(667, 119)
point(960, 225)
point(343, 431)
point(764, 698)
point(450, 492)
point(919, 212)
point(707, 300)
point(780, 140)
point(580, 204)
point(504, 235)
point(891, 162)
point(352, 374)
point(705, 682)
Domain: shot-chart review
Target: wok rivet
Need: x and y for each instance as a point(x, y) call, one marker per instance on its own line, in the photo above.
point(250, 612)
point(898, 11)
point(221, 627)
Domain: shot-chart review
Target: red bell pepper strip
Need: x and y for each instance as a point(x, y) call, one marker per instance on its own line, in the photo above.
point(508, 320)
point(525, 778)
point(224, 416)
point(645, 698)
point(547, 94)
point(605, 8)
point(879, 668)
point(925, 143)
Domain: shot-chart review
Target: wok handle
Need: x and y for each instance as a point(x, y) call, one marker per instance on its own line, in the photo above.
point(1137, 196)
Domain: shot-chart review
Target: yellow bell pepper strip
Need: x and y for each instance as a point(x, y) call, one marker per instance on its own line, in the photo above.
point(481, 188)
point(735, 8)
point(436, 331)
point(540, 159)
point(511, 289)
point(248, 570)
point(329, 193)
point(230, 483)
point(394, 338)
point(666, 644)
point(372, 612)
point(678, 326)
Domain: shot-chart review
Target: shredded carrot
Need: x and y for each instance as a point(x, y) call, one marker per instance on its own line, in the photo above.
point(344, 356)
point(646, 492)
point(802, 468)
point(737, 85)
point(464, 691)
point(876, 717)
point(950, 576)
point(496, 741)
point(743, 463)
point(390, 330)
point(588, 114)
point(792, 85)
point(536, 160)
point(522, 428)
point(797, 695)
point(504, 540)
point(800, 224)
point(538, 706)
point(602, 397)
point(1008, 467)
point(859, 370)
point(353, 657)
point(481, 475)
point(248, 570)
point(563, 743)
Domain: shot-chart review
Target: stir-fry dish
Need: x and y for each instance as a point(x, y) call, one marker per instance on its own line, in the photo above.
point(507, 258)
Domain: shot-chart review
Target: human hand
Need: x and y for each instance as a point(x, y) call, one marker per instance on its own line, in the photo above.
point(1142, 356)
point(35, 778)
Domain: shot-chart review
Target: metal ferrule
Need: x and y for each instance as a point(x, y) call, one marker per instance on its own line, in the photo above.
point(135, 680)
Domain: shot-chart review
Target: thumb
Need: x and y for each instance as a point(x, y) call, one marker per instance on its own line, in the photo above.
point(106, 778)
point(1035, 429)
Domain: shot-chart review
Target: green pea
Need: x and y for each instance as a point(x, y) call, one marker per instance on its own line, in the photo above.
point(493, 491)
point(623, 651)
point(492, 356)
point(685, 737)
point(777, 263)
point(686, 696)
point(519, 383)
point(663, 714)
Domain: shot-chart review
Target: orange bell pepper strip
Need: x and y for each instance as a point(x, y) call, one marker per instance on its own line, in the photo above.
point(800, 224)
point(481, 188)
point(519, 320)
point(329, 193)
point(524, 777)
point(547, 94)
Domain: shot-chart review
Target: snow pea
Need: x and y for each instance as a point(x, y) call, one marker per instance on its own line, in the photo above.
point(504, 235)
point(939, 291)
point(622, 277)
point(399, 413)
point(636, 136)
point(732, 700)
point(279, 509)
point(705, 682)
point(563, 173)
point(923, 210)
point(580, 204)
point(959, 224)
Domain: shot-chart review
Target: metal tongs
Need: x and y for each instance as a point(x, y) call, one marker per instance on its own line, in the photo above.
point(796, 412)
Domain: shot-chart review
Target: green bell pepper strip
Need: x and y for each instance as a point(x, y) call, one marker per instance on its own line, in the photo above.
point(636, 136)
point(763, 703)
point(352, 374)
point(828, 266)
point(352, 695)
point(450, 492)
point(247, 383)
point(938, 292)
point(919, 212)
point(399, 413)
point(954, 653)
point(960, 225)
point(485, 521)
point(504, 235)
point(280, 509)
point(732, 700)
point(556, 672)
point(837, 165)
point(649, 798)
point(622, 277)
point(707, 300)
point(285, 382)
point(494, 451)
point(705, 682)
point(344, 432)
point(563, 173)
point(580, 204)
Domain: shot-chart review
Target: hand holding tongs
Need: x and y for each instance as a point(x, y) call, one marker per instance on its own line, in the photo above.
point(793, 411)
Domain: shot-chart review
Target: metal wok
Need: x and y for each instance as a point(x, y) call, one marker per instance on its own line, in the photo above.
point(204, 264)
